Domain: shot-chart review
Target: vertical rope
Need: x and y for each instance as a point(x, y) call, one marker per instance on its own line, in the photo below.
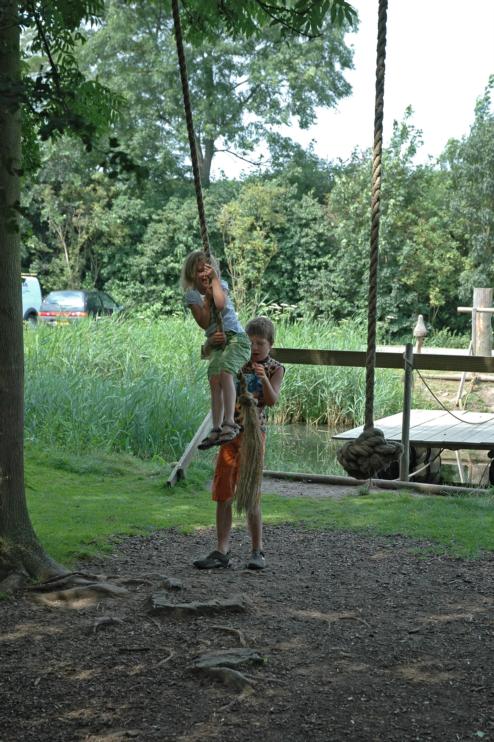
point(370, 361)
point(193, 144)
point(190, 126)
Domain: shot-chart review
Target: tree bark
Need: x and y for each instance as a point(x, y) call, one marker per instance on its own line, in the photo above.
point(20, 550)
point(206, 162)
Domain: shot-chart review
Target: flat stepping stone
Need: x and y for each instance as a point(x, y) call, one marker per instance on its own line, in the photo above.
point(161, 605)
point(228, 658)
point(221, 665)
point(173, 584)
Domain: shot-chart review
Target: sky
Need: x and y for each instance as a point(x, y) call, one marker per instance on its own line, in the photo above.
point(439, 56)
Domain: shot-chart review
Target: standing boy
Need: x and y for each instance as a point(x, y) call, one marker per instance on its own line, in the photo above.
point(263, 376)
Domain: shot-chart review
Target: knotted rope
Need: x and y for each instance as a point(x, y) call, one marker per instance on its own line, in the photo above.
point(249, 482)
point(370, 452)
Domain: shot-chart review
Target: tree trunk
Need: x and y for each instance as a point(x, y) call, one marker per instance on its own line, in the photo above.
point(20, 551)
point(207, 161)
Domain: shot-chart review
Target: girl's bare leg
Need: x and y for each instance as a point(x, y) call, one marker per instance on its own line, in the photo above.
point(216, 400)
point(229, 396)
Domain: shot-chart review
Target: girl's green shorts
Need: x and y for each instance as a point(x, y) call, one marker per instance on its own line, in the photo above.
point(232, 357)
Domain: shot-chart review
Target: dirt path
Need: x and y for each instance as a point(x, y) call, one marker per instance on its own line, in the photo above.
point(288, 488)
point(361, 638)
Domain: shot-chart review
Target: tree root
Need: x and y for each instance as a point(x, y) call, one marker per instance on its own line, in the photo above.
point(232, 630)
point(81, 596)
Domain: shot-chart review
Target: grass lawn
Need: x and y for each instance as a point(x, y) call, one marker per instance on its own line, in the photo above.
point(80, 505)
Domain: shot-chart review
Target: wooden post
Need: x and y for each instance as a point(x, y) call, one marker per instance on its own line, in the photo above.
point(407, 405)
point(481, 323)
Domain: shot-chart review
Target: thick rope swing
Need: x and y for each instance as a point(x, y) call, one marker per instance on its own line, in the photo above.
point(371, 452)
point(251, 451)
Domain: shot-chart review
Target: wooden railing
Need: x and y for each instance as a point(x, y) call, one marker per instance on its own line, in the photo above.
point(385, 359)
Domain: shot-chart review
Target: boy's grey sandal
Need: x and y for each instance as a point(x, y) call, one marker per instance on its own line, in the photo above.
point(214, 560)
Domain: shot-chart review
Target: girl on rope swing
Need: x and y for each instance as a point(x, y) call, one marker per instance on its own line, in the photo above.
point(206, 295)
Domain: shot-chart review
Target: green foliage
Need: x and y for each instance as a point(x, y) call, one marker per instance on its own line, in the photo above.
point(243, 81)
point(300, 168)
point(420, 259)
point(58, 97)
point(471, 164)
point(445, 338)
point(249, 225)
point(305, 250)
point(248, 17)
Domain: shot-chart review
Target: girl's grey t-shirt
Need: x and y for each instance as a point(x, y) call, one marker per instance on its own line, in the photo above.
point(228, 314)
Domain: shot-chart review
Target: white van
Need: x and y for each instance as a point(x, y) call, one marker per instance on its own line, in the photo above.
point(31, 298)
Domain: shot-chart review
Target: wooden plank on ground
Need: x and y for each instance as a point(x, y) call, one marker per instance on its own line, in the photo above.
point(180, 468)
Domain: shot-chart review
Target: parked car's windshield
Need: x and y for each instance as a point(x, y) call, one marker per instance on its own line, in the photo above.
point(66, 299)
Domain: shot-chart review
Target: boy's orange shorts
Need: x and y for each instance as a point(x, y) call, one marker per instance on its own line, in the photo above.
point(227, 469)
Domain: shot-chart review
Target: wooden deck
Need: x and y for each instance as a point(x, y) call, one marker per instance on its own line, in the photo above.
point(437, 429)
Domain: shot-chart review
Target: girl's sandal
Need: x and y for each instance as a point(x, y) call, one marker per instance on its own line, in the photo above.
point(229, 432)
point(212, 439)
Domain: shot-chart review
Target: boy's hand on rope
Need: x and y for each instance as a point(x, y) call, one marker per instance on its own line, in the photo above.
point(259, 371)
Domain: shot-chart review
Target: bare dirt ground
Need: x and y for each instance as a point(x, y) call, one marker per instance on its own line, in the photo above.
point(353, 637)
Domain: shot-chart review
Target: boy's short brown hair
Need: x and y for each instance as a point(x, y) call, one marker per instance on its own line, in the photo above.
point(261, 327)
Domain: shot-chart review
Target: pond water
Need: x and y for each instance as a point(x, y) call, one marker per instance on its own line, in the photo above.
point(302, 448)
point(311, 449)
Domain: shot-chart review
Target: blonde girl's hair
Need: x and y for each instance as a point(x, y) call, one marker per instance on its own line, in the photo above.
point(189, 268)
point(261, 327)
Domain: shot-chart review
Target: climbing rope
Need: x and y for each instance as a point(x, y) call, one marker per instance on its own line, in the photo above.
point(190, 127)
point(371, 452)
point(251, 459)
point(193, 149)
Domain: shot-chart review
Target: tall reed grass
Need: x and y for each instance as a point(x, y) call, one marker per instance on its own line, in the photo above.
point(140, 386)
point(332, 395)
point(115, 386)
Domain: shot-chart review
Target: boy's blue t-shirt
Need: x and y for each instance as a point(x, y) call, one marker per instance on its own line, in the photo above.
point(228, 314)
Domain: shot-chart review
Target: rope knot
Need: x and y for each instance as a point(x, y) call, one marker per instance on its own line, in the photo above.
point(246, 399)
point(368, 454)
